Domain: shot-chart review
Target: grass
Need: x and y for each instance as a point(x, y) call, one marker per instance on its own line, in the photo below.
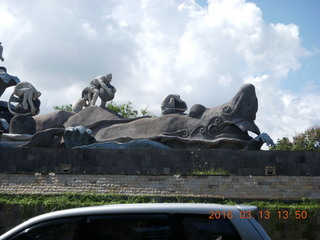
point(27, 206)
point(69, 200)
point(210, 171)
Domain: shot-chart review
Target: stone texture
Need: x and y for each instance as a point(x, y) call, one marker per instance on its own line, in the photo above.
point(157, 161)
point(46, 138)
point(55, 119)
point(21, 124)
point(6, 80)
point(77, 136)
point(234, 187)
point(223, 126)
point(90, 116)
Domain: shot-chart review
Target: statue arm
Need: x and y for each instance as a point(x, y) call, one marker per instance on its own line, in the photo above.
point(105, 87)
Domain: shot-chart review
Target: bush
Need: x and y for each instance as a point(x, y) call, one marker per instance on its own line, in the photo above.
point(306, 141)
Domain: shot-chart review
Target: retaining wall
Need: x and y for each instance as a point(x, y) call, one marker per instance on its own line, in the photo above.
point(236, 187)
point(155, 161)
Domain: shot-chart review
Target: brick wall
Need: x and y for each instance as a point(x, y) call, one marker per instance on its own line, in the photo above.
point(237, 187)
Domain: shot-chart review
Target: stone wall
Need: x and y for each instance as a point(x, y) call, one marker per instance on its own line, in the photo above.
point(234, 187)
point(155, 161)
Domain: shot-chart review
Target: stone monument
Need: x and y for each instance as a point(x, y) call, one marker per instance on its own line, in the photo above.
point(221, 127)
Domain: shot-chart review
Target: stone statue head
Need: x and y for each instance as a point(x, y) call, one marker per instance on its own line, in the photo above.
point(107, 78)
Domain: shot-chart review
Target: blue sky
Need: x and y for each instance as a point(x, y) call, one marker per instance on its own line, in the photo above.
point(203, 51)
point(305, 14)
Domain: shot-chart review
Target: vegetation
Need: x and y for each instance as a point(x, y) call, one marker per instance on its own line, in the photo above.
point(70, 200)
point(306, 141)
point(63, 107)
point(126, 110)
point(210, 171)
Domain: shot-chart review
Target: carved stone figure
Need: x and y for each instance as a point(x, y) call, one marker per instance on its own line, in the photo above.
point(257, 142)
point(6, 80)
point(94, 90)
point(80, 104)
point(173, 104)
point(221, 127)
point(27, 97)
point(224, 126)
point(1, 50)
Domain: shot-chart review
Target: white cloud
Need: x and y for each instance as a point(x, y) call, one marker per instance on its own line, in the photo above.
point(88, 30)
point(154, 48)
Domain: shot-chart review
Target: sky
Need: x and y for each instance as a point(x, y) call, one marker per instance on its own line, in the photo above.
point(202, 50)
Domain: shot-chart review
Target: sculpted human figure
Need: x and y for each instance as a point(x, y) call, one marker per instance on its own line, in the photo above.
point(28, 93)
point(97, 83)
point(81, 103)
point(1, 50)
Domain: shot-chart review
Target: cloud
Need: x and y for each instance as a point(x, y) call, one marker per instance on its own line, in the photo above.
point(155, 48)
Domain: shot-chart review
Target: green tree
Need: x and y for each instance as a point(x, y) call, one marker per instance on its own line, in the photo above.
point(67, 107)
point(126, 110)
point(309, 140)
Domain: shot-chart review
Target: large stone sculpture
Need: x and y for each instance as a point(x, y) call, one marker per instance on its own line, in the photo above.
point(224, 126)
point(173, 104)
point(27, 98)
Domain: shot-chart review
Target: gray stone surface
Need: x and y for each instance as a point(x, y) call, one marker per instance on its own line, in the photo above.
point(157, 161)
point(90, 116)
point(6, 80)
point(21, 124)
point(55, 119)
point(47, 138)
point(223, 126)
point(173, 104)
point(77, 136)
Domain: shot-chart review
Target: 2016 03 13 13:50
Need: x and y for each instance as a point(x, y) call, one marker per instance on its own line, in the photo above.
point(266, 214)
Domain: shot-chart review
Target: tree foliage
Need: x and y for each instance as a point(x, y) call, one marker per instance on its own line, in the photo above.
point(306, 141)
point(126, 110)
point(67, 107)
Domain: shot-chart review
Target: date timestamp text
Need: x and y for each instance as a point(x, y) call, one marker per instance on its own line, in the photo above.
point(281, 214)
